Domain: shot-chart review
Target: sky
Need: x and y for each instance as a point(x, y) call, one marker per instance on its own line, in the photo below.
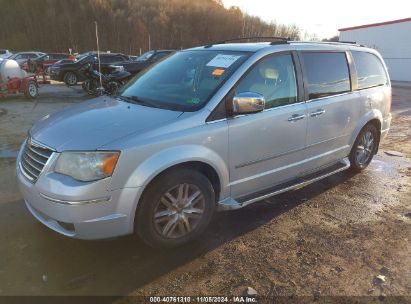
point(324, 18)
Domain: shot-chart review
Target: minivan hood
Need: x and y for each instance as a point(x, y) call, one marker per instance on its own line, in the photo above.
point(94, 123)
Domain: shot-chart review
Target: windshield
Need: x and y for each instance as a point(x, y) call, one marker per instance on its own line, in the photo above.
point(81, 57)
point(184, 81)
point(145, 56)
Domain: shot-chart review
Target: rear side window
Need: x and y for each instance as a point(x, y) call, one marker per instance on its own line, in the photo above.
point(370, 71)
point(327, 73)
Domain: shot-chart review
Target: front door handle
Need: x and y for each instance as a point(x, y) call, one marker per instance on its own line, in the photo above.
point(296, 117)
point(317, 113)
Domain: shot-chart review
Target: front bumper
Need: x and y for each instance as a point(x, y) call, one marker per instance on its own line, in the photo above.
point(79, 210)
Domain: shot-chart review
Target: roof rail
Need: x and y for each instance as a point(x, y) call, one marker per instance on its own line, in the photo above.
point(330, 42)
point(348, 42)
point(273, 39)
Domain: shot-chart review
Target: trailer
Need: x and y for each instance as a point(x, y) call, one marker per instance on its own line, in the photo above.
point(14, 80)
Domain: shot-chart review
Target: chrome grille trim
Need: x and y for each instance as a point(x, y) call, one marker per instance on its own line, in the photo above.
point(35, 165)
point(34, 158)
point(32, 149)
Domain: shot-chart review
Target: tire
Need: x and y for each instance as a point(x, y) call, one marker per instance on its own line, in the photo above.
point(31, 89)
point(364, 148)
point(70, 79)
point(161, 223)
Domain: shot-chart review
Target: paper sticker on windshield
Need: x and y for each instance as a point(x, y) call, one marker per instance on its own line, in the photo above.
point(218, 72)
point(223, 61)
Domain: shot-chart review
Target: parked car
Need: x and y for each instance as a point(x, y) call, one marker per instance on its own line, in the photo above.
point(145, 60)
point(5, 53)
point(46, 60)
point(70, 72)
point(210, 128)
point(22, 57)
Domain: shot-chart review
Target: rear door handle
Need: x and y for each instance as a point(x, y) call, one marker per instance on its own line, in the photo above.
point(317, 113)
point(296, 117)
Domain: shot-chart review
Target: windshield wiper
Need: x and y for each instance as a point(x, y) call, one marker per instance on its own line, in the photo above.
point(137, 100)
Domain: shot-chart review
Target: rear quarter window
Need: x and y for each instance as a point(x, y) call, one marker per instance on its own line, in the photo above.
point(327, 73)
point(370, 71)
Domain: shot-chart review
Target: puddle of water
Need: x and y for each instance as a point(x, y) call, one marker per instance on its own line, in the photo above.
point(405, 113)
point(379, 165)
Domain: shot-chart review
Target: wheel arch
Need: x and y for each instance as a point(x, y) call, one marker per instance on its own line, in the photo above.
point(187, 156)
point(374, 117)
point(206, 169)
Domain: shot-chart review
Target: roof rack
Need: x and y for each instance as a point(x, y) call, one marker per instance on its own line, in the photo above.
point(273, 39)
point(330, 42)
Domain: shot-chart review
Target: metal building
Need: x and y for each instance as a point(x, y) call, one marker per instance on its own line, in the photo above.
point(392, 39)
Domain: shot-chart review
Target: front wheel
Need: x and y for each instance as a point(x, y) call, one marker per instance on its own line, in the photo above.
point(364, 148)
point(70, 79)
point(175, 209)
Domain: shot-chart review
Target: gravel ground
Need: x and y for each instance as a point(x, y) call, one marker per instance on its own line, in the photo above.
point(332, 238)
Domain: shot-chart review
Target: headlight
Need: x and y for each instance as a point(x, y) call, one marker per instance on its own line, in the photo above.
point(117, 68)
point(87, 166)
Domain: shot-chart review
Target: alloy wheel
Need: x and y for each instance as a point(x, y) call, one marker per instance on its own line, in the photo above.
point(365, 148)
point(179, 211)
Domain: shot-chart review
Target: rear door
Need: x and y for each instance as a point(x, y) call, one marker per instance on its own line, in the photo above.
point(332, 108)
point(266, 148)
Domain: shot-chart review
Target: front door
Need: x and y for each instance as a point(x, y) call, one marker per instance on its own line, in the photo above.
point(266, 148)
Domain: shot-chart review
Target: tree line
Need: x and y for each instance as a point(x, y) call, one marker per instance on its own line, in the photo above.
point(127, 26)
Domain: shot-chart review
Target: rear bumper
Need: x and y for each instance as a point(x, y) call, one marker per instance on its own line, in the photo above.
point(386, 123)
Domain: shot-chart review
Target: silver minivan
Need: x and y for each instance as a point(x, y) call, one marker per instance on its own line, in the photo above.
point(209, 128)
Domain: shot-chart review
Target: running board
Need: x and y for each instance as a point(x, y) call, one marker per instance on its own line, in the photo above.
point(232, 204)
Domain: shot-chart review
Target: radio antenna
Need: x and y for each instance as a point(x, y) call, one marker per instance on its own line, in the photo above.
point(98, 56)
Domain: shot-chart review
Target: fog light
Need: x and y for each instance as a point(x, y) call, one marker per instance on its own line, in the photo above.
point(66, 226)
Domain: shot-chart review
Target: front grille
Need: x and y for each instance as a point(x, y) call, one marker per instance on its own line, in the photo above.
point(34, 157)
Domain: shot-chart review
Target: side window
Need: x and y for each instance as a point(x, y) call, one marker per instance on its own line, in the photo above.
point(159, 56)
point(274, 78)
point(106, 59)
point(370, 71)
point(327, 73)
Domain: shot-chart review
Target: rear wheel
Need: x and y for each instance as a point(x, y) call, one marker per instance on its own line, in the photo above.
point(364, 148)
point(70, 79)
point(31, 89)
point(175, 209)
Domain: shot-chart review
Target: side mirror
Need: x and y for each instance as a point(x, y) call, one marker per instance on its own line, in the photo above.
point(248, 102)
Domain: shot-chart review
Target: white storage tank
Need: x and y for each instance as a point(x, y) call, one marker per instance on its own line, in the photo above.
point(10, 69)
point(391, 38)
